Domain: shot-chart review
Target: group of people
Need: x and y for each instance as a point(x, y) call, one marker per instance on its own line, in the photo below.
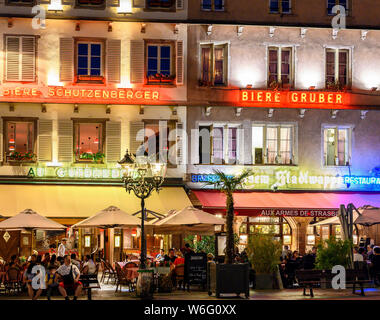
point(50, 273)
point(174, 256)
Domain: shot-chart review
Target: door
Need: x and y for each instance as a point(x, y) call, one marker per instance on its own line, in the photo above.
point(9, 245)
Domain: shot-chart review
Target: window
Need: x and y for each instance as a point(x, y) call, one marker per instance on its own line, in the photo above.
point(20, 140)
point(90, 3)
point(160, 69)
point(212, 5)
point(20, 58)
point(273, 144)
point(20, 2)
point(337, 146)
point(88, 139)
point(337, 67)
point(218, 144)
point(332, 3)
point(89, 62)
point(279, 6)
point(280, 66)
point(160, 4)
point(214, 65)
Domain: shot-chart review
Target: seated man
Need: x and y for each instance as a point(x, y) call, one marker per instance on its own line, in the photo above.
point(375, 265)
point(74, 260)
point(89, 266)
point(70, 278)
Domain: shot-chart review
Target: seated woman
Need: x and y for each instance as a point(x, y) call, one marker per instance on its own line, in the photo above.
point(28, 278)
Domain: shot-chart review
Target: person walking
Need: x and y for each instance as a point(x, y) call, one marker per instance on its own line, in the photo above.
point(62, 250)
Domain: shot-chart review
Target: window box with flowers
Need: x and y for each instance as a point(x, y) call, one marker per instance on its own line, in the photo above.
point(161, 79)
point(94, 157)
point(21, 157)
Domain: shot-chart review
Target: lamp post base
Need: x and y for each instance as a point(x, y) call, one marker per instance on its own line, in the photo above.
point(145, 285)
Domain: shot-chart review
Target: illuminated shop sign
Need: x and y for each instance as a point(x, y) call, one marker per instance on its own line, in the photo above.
point(78, 94)
point(292, 98)
point(76, 173)
point(319, 213)
point(292, 179)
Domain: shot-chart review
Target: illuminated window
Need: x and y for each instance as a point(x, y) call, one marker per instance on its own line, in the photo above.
point(90, 3)
point(21, 2)
point(89, 141)
point(337, 146)
point(87, 241)
point(280, 66)
point(310, 239)
point(89, 64)
point(160, 68)
point(160, 4)
point(212, 5)
point(273, 144)
point(19, 140)
point(337, 67)
point(332, 3)
point(280, 6)
point(214, 65)
point(218, 144)
point(117, 241)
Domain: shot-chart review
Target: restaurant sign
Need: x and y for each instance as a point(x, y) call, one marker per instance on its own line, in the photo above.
point(78, 95)
point(319, 213)
point(76, 173)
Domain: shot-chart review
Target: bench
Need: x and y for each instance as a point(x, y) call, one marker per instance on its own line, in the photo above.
point(90, 281)
point(309, 279)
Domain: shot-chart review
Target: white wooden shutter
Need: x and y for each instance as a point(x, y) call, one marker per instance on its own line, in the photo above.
point(66, 58)
point(138, 3)
point(240, 143)
point(180, 4)
point(163, 143)
point(113, 60)
point(113, 3)
point(65, 141)
point(195, 145)
point(136, 136)
point(180, 64)
point(28, 59)
point(113, 141)
point(137, 61)
point(1, 140)
point(12, 61)
point(45, 130)
point(180, 143)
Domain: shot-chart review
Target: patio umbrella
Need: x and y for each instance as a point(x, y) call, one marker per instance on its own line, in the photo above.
point(333, 220)
point(30, 220)
point(369, 216)
point(111, 217)
point(188, 220)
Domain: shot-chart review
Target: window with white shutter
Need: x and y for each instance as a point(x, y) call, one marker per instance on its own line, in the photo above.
point(20, 58)
point(180, 63)
point(66, 57)
point(136, 136)
point(65, 141)
point(113, 60)
point(180, 143)
point(113, 141)
point(1, 140)
point(45, 129)
point(160, 63)
point(137, 61)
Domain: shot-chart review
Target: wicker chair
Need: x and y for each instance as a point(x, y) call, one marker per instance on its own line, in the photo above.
point(122, 279)
point(179, 271)
point(108, 272)
point(12, 281)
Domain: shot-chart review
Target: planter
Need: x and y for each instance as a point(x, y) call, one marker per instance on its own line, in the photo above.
point(264, 281)
point(228, 279)
point(144, 286)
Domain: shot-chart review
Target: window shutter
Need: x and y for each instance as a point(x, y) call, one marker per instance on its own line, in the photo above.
point(138, 3)
point(12, 58)
point(180, 4)
point(135, 140)
point(137, 61)
point(163, 143)
point(195, 146)
point(66, 58)
point(113, 60)
point(45, 129)
point(113, 141)
point(65, 141)
point(1, 140)
point(180, 143)
point(28, 59)
point(113, 3)
point(240, 146)
point(180, 64)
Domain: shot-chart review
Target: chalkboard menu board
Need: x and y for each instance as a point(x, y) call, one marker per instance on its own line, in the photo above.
point(196, 268)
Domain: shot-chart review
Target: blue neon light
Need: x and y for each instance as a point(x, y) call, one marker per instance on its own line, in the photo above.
point(360, 180)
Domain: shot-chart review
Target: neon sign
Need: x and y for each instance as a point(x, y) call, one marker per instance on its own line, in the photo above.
point(358, 180)
point(77, 173)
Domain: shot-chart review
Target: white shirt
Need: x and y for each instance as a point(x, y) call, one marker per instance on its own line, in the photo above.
point(61, 250)
point(358, 257)
point(64, 270)
point(91, 266)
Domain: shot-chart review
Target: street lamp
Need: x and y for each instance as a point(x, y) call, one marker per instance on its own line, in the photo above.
point(142, 176)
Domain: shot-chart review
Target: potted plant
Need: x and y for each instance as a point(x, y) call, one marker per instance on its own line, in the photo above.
point(236, 273)
point(264, 254)
point(98, 157)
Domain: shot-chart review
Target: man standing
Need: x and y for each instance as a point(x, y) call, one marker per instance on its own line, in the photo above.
point(70, 278)
point(62, 248)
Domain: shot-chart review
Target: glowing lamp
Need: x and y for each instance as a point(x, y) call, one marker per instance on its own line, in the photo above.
point(11, 141)
point(125, 6)
point(96, 141)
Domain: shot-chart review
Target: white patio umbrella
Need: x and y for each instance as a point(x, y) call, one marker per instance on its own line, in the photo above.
point(334, 220)
point(30, 220)
point(111, 217)
point(188, 220)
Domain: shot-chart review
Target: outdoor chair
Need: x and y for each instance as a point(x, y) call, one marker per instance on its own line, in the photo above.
point(130, 265)
point(179, 271)
point(108, 272)
point(12, 281)
point(122, 279)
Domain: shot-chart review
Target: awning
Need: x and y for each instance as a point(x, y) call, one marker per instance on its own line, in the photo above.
point(307, 204)
point(84, 201)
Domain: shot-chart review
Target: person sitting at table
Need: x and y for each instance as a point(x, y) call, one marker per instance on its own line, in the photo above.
point(28, 278)
point(53, 261)
point(160, 256)
point(51, 280)
point(171, 257)
point(357, 255)
point(362, 252)
point(46, 259)
point(69, 274)
point(89, 266)
point(74, 260)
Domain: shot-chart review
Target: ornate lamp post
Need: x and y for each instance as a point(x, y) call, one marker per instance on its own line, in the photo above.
point(142, 177)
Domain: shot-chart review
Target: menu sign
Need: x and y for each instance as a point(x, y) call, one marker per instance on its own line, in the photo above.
point(196, 268)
